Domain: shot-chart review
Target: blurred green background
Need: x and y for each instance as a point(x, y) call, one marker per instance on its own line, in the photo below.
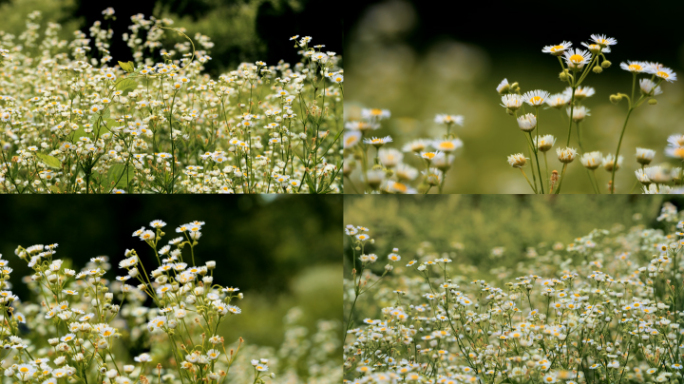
point(417, 60)
point(280, 251)
point(242, 30)
point(469, 227)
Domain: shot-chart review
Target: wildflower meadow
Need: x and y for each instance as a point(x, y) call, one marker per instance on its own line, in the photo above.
point(159, 322)
point(603, 307)
point(77, 120)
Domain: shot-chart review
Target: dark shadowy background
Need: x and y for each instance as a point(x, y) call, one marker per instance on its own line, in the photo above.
point(509, 29)
point(242, 30)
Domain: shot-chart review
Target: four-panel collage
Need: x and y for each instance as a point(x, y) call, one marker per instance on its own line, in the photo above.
point(127, 126)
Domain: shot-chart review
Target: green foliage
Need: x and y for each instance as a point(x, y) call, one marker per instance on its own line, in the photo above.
point(231, 25)
point(119, 174)
point(128, 66)
point(126, 85)
point(13, 15)
point(50, 161)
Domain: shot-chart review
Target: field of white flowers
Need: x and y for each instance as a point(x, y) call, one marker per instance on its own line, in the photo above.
point(82, 326)
point(605, 308)
point(77, 120)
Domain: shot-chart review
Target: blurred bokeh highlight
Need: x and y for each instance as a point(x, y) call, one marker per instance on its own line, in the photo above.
point(484, 232)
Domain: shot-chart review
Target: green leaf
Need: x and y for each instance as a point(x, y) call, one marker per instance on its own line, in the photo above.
point(79, 133)
point(310, 183)
point(50, 161)
point(115, 172)
point(126, 85)
point(128, 67)
point(105, 125)
point(55, 189)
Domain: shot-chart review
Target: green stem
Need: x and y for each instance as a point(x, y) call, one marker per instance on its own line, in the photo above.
point(595, 181)
point(617, 152)
point(562, 177)
point(572, 109)
point(529, 153)
point(546, 169)
point(536, 158)
point(528, 180)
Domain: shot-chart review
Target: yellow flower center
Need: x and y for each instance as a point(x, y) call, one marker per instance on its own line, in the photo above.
point(577, 58)
point(429, 155)
point(447, 145)
point(536, 99)
point(635, 67)
point(662, 74)
point(679, 152)
point(557, 48)
point(400, 187)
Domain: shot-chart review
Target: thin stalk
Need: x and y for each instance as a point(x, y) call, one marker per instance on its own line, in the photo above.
point(536, 158)
point(572, 109)
point(528, 180)
point(617, 152)
point(529, 153)
point(546, 169)
point(562, 177)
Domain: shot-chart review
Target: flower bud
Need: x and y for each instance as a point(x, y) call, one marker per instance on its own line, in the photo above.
point(606, 64)
point(652, 102)
point(597, 69)
point(375, 177)
point(432, 179)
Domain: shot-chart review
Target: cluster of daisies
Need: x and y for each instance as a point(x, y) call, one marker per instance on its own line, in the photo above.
point(75, 330)
point(662, 178)
point(576, 64)
point(606, 308)
point(76, 120)
point(388, 172)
